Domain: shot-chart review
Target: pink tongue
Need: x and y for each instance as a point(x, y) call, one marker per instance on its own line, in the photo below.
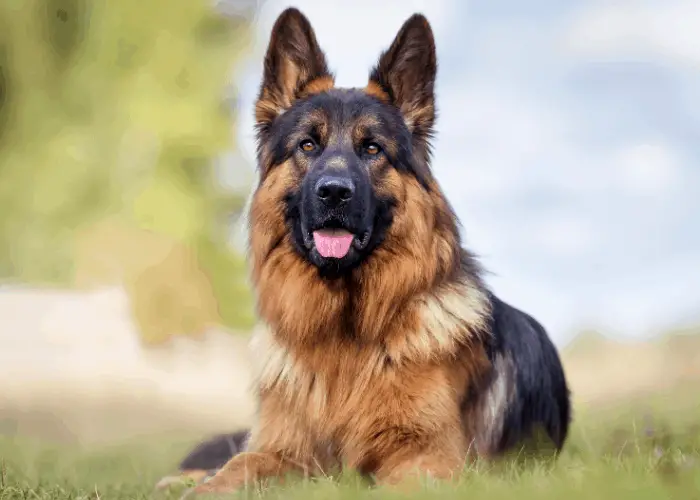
point(333, 242)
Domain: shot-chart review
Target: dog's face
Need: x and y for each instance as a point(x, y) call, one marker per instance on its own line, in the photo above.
point(340, 142)
point(332, 158)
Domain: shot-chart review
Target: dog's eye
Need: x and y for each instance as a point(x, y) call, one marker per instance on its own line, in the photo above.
point(307, 145)
point(372, 149)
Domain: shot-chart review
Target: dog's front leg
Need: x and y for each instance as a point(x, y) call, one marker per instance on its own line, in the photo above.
point(406, 463)
point(409, 470)
point(251, 468)
point(280, 444)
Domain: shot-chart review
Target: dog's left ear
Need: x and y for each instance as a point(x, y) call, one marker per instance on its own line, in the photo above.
point(406, 73)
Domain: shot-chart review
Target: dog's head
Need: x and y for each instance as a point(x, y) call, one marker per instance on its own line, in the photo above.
point(337, 164)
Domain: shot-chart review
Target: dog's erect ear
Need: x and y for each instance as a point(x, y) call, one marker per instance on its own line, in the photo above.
point(294, 65)
point(406, 74)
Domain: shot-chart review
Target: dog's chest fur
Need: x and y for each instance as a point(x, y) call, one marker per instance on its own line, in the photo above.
point(417, 369)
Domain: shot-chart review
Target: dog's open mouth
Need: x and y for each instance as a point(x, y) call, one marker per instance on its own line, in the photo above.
point(333, 243)
point(336, 243)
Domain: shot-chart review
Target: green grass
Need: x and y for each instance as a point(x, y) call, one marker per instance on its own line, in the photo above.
point(649, 449)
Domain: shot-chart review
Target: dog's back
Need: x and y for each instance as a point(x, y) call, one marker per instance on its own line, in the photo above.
point(526, 393)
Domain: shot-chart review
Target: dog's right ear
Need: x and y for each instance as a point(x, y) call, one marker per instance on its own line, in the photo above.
point(294, 66)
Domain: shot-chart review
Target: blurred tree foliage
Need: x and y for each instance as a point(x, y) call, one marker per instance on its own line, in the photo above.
point(111, 114)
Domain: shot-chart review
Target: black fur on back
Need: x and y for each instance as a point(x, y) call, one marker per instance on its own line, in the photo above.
point(539, 393)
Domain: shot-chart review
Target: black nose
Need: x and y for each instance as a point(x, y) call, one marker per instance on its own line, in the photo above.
point(334, 191)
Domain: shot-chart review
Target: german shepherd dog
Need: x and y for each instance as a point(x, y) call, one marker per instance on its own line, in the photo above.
point(384, 350)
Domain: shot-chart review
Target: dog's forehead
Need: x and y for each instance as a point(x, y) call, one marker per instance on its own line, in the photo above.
point(348, 94)
point(346, 106)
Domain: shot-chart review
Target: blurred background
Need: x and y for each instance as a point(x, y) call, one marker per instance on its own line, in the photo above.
point(567, 142)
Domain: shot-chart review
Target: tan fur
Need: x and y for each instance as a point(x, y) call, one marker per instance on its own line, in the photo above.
point(270, 105)
point(267, 109)
point(247, 469)
point(322, 84)
point(488, 426)
point(415, 115)
point(375, 90)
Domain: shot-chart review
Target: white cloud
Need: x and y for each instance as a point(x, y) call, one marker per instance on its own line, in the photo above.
point(565, 235)
point(648, 168)
point(642, 167)
point(665, 29)
point(493, 141)
point(655, 298)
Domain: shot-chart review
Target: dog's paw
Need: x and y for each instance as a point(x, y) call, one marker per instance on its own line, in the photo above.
point(187, 478)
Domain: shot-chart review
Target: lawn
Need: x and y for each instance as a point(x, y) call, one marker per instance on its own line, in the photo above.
point(643, 449)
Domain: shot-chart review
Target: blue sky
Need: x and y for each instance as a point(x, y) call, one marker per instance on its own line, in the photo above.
point(568, 143)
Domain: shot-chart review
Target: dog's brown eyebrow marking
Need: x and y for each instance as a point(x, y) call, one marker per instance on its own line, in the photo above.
point(315, 122)
point(366, 128)
point(367, 121)
point(313, 118)
point(375, 90)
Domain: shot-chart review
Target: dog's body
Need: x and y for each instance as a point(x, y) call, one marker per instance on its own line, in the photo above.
point(384, 350)
point(525, 390)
